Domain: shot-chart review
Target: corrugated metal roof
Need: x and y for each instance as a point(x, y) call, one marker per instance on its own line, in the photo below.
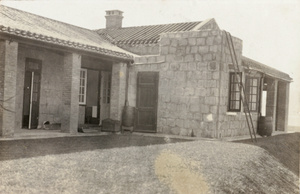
point(31, 26)
point(144, 34)
point(270, 71)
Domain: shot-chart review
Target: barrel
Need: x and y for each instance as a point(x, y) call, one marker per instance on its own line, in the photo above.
point(265, 126)
point(128, 116)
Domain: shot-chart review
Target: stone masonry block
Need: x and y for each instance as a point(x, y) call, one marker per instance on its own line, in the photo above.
point(213, 48)
point(192, 41)
point(201, 41)
point(164, 66)
point(211, 100)
point(180, 51)
point(174, 66)
point(207, 57)
point(212, 65)
point(151, 59)
point(172, 50)
point(164, 41)
point(198, 57)
point(194, 49)
point(194, 105)
point(160, 58)
point(187, 49)
point(189, 58)
point(164, 50)
point(174, 42)
point(202, 66)
point(209, 40)
point(200, 92)
point(183, 42)
point(216, 75)
point(191, 66)
point(203, 33)
point(217, 40)
point(203, 49)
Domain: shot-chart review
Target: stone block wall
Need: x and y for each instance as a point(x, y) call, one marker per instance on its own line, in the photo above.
point(231, 123)
point(188, 66)
point(142, 49)
point(51, 83)
point(193, 84)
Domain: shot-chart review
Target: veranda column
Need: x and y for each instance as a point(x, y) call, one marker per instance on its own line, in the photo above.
point(70, 99)
point(8, 79)
point(282, 105)
point(272, 100)
point(118, 89)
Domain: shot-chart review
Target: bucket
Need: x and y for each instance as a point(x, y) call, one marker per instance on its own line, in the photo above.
point(265, 126)
point(128, 116)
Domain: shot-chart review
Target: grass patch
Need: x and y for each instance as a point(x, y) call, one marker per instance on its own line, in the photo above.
point(285, 148)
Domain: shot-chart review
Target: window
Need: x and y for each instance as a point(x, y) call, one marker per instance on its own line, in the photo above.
point(82, 86)
point(252, 84)
point(234, 92)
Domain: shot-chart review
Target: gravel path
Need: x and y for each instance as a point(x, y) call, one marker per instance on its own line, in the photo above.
point(189, 167)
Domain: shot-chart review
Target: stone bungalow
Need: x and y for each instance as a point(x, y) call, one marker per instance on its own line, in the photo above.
point(178, 77)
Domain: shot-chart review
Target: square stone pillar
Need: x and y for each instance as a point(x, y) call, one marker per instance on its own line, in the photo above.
point(70, 93)
point(118, 90)
point(282, 106)
point(8, 80)
point(272, 100)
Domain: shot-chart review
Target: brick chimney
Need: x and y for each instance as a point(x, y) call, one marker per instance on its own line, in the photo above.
point(114, 19)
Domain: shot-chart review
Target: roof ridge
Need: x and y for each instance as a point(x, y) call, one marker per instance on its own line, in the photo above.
point(149, 25)
point(46, 18)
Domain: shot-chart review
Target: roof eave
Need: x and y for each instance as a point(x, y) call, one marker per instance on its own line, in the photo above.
point(286, 77)
point(59, 42)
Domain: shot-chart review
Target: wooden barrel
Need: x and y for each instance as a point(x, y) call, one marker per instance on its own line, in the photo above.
point(128, 116)
point(265, 126)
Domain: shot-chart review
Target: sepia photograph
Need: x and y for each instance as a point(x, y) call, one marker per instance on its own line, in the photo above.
point(148, 97)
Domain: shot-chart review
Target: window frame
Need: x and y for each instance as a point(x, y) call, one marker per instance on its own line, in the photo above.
point(234, 82)
point(84, 86)
point(249, 94)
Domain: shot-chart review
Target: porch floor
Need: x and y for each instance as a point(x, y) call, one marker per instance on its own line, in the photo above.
point(42, 133)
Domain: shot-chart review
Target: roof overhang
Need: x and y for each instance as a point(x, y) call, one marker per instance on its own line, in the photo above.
point(251, 64)
point(14, 33)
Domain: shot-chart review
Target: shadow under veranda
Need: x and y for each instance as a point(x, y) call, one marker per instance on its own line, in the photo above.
point(26, 148)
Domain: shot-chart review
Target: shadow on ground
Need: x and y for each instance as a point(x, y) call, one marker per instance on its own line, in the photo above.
point(284, 147)
point(15, 149)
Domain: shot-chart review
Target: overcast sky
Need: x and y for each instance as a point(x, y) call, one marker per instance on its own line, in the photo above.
point(270, 29)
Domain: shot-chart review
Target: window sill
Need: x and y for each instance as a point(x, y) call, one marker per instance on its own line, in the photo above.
point(231, 113)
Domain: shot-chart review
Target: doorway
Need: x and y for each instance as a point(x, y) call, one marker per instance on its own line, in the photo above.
point(147, 96)
point(92, 108)
point(31, 95)
point(105, 95)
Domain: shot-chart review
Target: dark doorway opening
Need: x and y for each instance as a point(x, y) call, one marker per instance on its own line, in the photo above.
point(31, 96)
